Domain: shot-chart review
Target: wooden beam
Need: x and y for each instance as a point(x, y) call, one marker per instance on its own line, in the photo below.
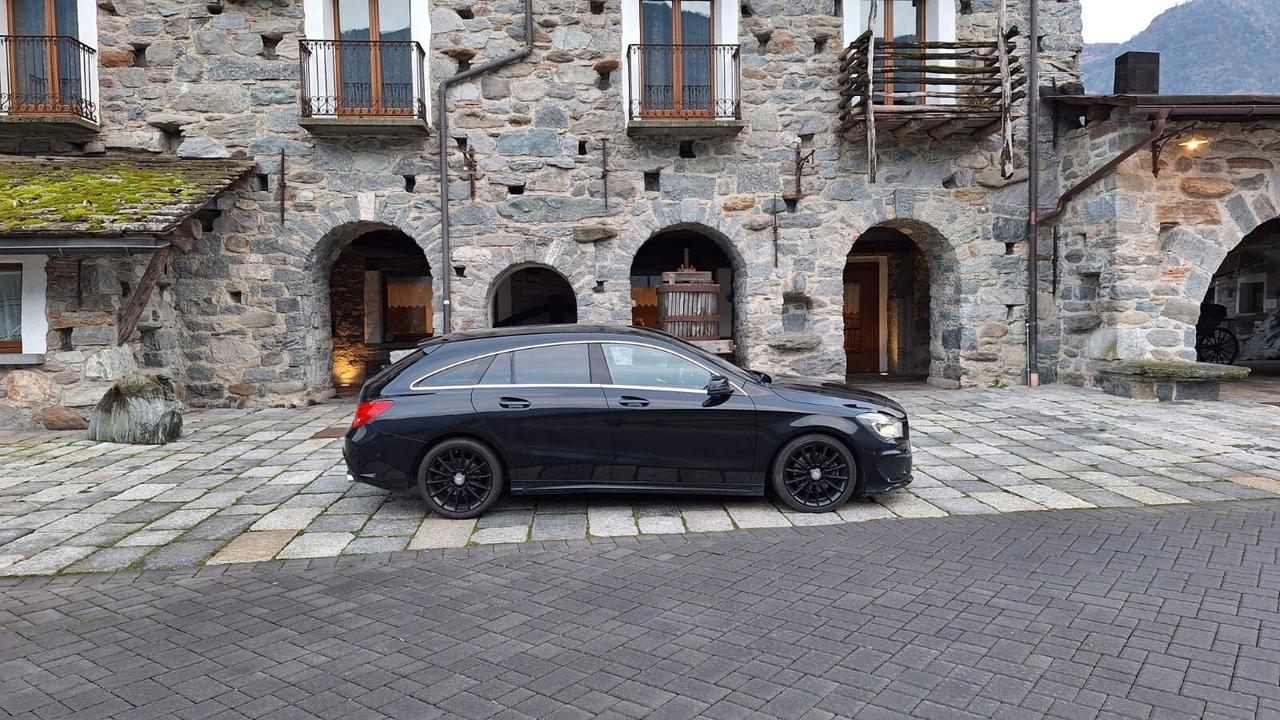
point(132, 311)
point(185, 236)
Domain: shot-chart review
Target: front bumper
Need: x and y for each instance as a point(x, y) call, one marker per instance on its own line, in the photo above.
point(889, 469)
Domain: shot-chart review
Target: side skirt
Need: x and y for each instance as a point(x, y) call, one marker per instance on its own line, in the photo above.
point(683, 489)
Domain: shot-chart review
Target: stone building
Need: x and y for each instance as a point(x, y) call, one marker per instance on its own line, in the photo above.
point(632, 132)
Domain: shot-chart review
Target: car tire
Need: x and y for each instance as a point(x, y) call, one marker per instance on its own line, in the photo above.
point(814, 473)
point(460, 478)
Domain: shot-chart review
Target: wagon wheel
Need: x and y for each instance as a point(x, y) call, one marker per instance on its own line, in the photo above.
point(1218, 346)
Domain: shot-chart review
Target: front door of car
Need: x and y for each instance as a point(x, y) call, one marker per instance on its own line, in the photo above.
point(548, 417)
point(667, 429)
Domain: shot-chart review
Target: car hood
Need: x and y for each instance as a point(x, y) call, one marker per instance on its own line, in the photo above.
point(819, 392)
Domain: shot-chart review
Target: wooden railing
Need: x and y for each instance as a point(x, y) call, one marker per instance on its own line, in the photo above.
point(937, 89)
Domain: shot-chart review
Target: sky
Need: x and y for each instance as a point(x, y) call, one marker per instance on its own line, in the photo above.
point(1119, 20)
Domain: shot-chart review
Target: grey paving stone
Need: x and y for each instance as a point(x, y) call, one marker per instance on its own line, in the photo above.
point(559, 527)
point(182, 554)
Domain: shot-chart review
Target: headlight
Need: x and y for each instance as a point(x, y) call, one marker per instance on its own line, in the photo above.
point(886, 427)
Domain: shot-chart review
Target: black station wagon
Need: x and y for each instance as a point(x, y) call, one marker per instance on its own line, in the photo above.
point(571, 408)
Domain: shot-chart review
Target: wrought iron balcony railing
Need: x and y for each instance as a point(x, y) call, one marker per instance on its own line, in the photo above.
point(47, 75)
point(363, 78)
point(684, 82)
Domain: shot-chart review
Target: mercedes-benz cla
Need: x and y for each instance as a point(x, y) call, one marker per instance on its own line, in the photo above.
point(572, 408)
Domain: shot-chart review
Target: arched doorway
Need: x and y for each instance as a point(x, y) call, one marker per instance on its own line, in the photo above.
point(1240, 315)
point(670, 251)
point(533, 295)
point(887, 306)
point(379, 301)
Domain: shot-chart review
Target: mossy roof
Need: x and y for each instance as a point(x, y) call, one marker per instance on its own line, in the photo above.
point(105, 196)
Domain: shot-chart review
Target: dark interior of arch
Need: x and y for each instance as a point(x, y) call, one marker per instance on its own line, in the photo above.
point(380, 300)
point(534, 296)
point(906, 332)
point(666, 252)
point(1240, 317)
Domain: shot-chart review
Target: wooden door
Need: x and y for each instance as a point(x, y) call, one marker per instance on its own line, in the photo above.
point(677, 63)
point(862, 317)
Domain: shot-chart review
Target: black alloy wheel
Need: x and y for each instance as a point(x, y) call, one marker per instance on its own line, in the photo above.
point(460, 479)
point(814, 473)
point(1218, 346)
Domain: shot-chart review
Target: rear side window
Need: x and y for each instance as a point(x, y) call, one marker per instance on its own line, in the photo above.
point(554, 365)
point(468, 373)
point(499, 372)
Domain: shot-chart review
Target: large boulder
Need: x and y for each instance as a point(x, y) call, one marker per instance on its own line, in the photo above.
point(30, 389)
point(140, 409)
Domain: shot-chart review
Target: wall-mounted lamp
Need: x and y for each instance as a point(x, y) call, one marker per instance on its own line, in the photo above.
point(1191, 144)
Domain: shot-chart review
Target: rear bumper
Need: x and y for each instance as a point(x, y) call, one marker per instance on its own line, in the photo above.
point(378, 459)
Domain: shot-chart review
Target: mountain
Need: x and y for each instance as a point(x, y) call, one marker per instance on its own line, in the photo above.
point(1207, 47)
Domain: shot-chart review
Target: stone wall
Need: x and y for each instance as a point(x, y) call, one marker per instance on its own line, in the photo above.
point(1137, 252)
point(82, 358)
point(252, 297)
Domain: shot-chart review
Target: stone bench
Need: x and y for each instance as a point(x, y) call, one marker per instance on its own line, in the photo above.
point(1166, 379)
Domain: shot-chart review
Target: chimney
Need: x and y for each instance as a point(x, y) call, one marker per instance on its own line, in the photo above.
point(1138, 73)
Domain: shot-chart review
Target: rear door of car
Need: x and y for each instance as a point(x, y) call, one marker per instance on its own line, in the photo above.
point(550, 418)
point(667, 429)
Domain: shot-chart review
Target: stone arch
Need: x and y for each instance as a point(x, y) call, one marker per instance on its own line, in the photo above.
point(1191, 254)
point(510, 272)
point(950, 339)
point(317, 263)
point(719, 243)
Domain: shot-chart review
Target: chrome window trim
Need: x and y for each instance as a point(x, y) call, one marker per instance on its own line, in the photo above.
point(417, 388)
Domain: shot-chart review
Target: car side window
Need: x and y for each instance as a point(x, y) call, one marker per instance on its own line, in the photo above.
point(467, 373)
point(649, 367)
point(552, 365)
point(499, 373)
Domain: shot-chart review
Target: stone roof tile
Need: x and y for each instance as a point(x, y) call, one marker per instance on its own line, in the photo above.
point(108, 196)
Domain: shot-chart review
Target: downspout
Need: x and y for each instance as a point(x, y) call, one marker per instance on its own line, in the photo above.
point(443, 128)
point(1033, 198)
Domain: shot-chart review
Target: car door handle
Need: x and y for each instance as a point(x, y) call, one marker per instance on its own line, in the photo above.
point(513, 403)
point(632, 401)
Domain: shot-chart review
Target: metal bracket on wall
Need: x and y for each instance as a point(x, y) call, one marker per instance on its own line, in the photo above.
point(775, 230)
point(801, 159)
point(604, 168)
point(1157, 146)
point(283, 187)
point(469, 159)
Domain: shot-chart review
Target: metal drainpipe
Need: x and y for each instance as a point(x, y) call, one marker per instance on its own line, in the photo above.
point(443, 128)
point(1033, 192)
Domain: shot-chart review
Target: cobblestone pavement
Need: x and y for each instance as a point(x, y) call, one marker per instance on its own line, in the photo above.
point(1107, 613)
point(246, 486)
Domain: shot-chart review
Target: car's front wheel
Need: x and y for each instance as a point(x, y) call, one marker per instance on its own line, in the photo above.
point(814, 473)
point(460, 478)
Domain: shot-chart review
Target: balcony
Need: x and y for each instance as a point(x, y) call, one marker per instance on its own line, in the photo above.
point(904, 90)
point(685, 90)
point(358, 87)
point(48, 83)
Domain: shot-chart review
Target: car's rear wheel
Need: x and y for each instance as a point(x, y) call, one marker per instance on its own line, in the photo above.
point(814, 473)
point(460, 478)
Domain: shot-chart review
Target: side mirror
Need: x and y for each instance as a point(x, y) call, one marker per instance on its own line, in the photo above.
point(719, 387)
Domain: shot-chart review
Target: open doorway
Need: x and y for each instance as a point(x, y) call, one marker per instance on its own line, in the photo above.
point(379, 301)
point(1240, 316)
point(887, 307)
point(699, 261)
point(533, 295)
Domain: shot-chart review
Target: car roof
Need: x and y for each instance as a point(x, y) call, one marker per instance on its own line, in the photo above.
point(534, 330)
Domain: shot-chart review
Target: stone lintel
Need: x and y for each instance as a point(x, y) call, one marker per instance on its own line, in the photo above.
point(352, 125)
point(683, 128)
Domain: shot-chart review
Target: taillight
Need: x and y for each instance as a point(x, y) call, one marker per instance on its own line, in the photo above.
point(367, 411)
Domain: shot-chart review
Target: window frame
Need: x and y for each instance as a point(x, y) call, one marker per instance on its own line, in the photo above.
point(14, 347)
point(604, 381)
point(385, 301)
